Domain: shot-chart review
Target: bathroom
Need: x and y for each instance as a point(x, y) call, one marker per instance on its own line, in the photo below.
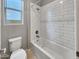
point(46, 29)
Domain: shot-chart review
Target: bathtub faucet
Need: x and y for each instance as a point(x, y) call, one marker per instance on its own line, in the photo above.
point(37, 36)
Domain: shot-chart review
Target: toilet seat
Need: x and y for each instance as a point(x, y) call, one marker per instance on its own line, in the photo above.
point(18, 54)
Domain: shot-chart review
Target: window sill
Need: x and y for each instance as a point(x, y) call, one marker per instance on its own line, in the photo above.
point(14, 24)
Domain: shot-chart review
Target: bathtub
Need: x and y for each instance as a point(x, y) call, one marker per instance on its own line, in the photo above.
point(51, 50)
point(39, 52)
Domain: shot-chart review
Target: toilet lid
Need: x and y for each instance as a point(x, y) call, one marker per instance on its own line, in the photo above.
point(19, 54)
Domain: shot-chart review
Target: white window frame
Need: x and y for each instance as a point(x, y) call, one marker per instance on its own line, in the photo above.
point(22, 14)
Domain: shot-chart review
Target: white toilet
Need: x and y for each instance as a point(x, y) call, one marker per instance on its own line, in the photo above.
point(15, 48)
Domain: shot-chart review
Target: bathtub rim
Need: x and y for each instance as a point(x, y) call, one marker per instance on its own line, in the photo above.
point(42, 50)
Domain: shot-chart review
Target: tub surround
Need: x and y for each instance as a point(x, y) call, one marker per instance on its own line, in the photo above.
point(57, 27)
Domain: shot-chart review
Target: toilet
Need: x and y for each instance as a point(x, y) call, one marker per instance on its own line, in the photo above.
point(15, 48)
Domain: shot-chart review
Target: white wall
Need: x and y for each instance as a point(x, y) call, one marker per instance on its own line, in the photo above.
point(35, 20)
point(57, 23)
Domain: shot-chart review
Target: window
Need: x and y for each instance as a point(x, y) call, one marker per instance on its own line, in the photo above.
point(13, 11)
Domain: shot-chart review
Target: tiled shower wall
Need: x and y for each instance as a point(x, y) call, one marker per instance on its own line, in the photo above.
point(35, 21)
point(58, 23)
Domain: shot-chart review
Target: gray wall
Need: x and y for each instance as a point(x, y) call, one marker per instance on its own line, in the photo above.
point(33, 1)
point(44, 2)
point(77, 41)
point(11, 31)
point(0, 25)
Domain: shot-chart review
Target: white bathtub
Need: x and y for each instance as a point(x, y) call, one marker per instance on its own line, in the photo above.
point(50, 50)
point(40, 53)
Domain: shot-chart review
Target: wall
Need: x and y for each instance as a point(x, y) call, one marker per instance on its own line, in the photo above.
point(29, 20)
point(77, 20)
point(77, 13)
point(44, 2)
point(34, 1)
point(11, 31)
point(35, 21)
point(0, 24)
point(58, 24)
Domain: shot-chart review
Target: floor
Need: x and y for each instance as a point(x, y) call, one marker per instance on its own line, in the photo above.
point(30, 54)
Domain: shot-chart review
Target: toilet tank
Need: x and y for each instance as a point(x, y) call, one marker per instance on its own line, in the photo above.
point(15, 43)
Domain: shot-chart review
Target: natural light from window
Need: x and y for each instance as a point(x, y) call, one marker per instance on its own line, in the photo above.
point(13, 11)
